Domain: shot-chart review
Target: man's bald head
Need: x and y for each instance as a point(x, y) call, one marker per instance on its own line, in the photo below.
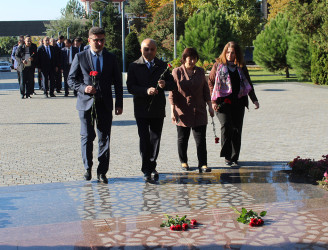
point(148, 49)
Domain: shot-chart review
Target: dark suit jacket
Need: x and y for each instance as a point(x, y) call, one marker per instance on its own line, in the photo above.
point(81, 48)
point(19, 56)
point(79, 78)
point(64, 59)
point(44, 62)
point(140, 78)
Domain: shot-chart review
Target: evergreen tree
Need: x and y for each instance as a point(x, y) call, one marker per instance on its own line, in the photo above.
point(299, 54)
point(139, 9)
point(111, 23)
point(207, 31)
point(319, 66)
point(132, 48)
point(271, 45)
point(73, 8)
point(6, 44)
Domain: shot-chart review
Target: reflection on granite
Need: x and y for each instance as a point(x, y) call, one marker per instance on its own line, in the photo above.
point(127, 212)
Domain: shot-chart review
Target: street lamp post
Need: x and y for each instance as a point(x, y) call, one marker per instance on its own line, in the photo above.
point(175, 28)
point(123, 34)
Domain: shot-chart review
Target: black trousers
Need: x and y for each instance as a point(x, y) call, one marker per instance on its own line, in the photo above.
point(103, 122)
point(150, 131)
point(65, 74)
point(48, 81)
point(200, 139)
point(27, 81)
point(58, 80)
point(231, 119)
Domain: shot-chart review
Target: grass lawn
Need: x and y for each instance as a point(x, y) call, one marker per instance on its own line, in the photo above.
point(259, 75)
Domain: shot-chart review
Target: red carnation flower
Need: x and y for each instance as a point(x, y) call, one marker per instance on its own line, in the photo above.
point(217, 139)
point(93, 73)
point(178, 227)
point(172, 227)
point(260, 222)
point(227, 100)
point(184, 226)
point(193, 222)
point(169, 65)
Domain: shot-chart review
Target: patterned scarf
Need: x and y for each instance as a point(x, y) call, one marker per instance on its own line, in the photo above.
point(223, 87)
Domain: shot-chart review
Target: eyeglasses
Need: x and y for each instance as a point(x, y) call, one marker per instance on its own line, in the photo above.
point(98, 40)
point(147, 49)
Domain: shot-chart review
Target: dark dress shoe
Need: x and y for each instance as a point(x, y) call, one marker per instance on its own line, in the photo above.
point(156, 175)
point(147, 177)
point(22, 96)
point(204, 169)
point(87, 175)
point(58, 91)
point(66, 94)
point(46, 95)
point(102, 178)
point(228, 162)
point(28, 96)
point(52, 95)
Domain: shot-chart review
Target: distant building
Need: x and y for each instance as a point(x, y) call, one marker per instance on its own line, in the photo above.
point(88, 5)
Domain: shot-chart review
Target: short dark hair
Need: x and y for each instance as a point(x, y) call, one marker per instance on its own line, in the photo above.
point(96, 31)
point(78, 39)
point(68, 40)
point(189, 52)
point(21, 37)
point(60, 37)
point(27, 36)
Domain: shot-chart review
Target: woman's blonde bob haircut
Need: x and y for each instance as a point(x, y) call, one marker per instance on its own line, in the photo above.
point(239, 60)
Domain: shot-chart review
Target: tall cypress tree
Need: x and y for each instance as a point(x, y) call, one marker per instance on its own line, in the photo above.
point(132, 48)
point(271, 45)
point(207, 31)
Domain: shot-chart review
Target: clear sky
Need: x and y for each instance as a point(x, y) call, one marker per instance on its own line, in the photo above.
point(19, 10)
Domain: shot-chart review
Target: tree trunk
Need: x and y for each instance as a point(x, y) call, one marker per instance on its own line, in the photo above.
point(287, 72)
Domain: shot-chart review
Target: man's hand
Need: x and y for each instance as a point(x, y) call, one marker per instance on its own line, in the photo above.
point(24, 62)
point(118, 111)
point(152, 91)
point(215, 106)
point(161, 84)
point(90, 90)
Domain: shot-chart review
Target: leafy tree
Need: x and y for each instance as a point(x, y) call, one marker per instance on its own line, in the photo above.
point(161, 29)
point(207, 31)
point(6, 44)
point(132, 48)
point(245, 17)
point(271, 45)
point(299, 54)
point(73, 7)
point(139, 9)
point(77, 27)
point(277, 6)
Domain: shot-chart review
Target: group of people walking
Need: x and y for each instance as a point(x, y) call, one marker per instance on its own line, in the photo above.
point(53, 60)
point(91, 72)
point(225, 94)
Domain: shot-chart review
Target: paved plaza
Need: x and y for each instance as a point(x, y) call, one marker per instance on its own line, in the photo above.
point(46, 204)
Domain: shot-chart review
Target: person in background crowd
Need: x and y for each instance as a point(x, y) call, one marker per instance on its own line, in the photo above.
point(149, 101)
point(60, 42)
point(13, 58)
point(188, 108)
point(26, 61)
point(48, 65)
point(58, 74)
point(67, 56)
point(95, 100)
point(230, 86)
point(39, 72)
point(78, 44)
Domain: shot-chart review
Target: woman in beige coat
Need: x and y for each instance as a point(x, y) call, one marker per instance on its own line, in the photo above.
point(188, 108)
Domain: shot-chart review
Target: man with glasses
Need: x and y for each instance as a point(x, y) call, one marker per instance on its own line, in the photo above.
point(94, 99)
point(147, 88)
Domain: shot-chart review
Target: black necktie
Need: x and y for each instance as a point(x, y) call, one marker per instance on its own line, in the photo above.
point(98, 69)
point(48, 52)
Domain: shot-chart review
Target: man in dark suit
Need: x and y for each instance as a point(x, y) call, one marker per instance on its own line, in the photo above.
point(78, 44)
point(94, 99)
point(48, 65)
point(149, 103)
point(67, 56)
point(26, 59)
point(60, 42)
point(58, 74)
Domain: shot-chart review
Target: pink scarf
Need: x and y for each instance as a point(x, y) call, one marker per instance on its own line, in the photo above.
point(223, 87)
